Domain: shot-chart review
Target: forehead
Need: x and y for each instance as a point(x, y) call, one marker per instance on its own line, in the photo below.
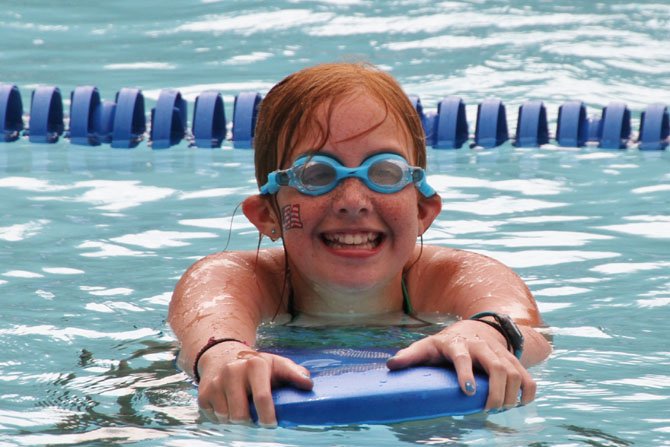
point(359, 123)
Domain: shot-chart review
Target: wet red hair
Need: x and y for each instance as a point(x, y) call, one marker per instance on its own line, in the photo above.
point(290, 110)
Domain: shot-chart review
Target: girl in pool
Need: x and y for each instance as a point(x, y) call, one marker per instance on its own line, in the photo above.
point(340, 157)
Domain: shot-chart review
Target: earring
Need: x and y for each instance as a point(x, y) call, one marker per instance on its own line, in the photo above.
point(273, 232)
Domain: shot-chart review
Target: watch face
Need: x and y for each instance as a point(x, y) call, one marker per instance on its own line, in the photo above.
point(513, 332)
point(508, 328)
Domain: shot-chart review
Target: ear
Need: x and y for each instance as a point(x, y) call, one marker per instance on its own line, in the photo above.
point(258, 209)
point(429, 208)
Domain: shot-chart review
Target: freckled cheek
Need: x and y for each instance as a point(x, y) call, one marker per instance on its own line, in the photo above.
point(402, 212)
point(299, 217)
point(301, 245)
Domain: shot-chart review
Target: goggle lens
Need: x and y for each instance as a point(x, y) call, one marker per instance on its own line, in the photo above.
point(386, 173)
point(315, 174)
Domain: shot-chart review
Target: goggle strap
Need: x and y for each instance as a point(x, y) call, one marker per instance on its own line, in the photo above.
point(271, 186)
point(425, 189)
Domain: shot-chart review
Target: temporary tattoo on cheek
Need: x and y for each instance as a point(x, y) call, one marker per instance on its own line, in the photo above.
point(290, 216)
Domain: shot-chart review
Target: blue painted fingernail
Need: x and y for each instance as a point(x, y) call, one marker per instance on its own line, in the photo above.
point(469, 388)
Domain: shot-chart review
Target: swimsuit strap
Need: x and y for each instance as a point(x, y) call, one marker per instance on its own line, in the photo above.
point(406, 301)
point(290, 304)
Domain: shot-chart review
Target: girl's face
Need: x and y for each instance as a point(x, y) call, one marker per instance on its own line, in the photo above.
point(352, 238)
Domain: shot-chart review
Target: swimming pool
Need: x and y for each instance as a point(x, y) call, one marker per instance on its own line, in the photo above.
point(92, 239)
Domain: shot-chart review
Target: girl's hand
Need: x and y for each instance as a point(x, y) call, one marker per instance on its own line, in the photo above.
point(470, 344)
point(230, 373)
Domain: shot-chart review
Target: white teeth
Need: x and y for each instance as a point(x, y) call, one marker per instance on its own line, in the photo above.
point(363, 240)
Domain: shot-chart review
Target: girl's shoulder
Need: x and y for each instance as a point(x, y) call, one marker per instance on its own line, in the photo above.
point(433, 257)
point(263, 260)
point(443, 279)
point(264, 268)
point(433, 263)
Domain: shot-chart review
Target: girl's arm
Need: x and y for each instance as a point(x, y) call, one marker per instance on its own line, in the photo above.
point(226, 296)
point(464, 284)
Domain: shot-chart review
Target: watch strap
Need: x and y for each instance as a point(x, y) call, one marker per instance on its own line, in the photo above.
point(507, 327)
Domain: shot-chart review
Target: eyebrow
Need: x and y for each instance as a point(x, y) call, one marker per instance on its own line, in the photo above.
point(312, 152)
point(385, 151)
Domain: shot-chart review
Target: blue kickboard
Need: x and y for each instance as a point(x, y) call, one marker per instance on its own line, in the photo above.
point(354, 386)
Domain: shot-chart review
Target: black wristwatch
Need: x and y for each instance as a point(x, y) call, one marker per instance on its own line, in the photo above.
point(507, 327)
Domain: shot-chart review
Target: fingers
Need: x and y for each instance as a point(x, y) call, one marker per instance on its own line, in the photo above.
point(498, 386)
point(236, 388)
point(510, 384)
point(419, 352)
point(224, 396)
point(207, 408)
point(215, 409)
point(287, 371)
point(266, 370)
point(261, 393)
point(528, 387)
point(435, 350)
point(457, 350)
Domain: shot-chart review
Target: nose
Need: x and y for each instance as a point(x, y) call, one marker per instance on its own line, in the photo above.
point(351, 198)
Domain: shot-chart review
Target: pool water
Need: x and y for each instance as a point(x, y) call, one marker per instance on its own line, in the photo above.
point(93, 239)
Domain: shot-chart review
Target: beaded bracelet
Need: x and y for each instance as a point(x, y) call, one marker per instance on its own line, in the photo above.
point(210, 344)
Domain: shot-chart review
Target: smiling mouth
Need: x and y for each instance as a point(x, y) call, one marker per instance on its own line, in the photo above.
point(359, 241)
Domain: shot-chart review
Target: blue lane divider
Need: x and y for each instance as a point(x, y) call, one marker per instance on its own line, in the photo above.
point(129, 119)
point(123, 122)
point(428, 120)
point(104, 124)
point(46, 115)
point(209, 120)
point(245, 112)
point(615, 126)
point(85, 111)
point(532, 130)
point(654, 127)
point(491, 130)
point(451, 127)
point(11, 112)
point(168, 120)
point(572, 126)
point(594, 128)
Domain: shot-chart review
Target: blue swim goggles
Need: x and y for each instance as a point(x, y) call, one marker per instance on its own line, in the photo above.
point(319, 174)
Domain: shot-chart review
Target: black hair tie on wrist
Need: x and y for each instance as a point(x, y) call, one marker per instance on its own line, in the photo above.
point(210, 344)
